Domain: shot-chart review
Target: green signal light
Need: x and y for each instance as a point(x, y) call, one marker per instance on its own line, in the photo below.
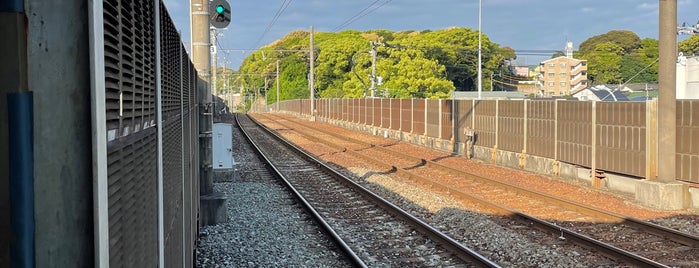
point(220, 9)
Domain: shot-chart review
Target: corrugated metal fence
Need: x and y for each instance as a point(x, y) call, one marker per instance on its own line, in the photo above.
point(132, 155)
point(609, 136)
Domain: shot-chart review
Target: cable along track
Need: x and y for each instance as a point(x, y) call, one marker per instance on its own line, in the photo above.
point(621, 237)
point(373, 231)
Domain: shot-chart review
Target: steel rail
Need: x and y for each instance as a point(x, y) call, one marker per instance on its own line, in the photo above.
point(583, 240)
point(465, 253)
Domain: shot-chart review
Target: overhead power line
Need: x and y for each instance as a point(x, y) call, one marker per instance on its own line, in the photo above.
point(281, 9)
point(361, 14)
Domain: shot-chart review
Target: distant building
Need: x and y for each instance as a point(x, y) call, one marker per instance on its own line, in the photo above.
point(600, 93)
point(521, 71)
point(563, 75)
point(688, 77)
point(639, 87)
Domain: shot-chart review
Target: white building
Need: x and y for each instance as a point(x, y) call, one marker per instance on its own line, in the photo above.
point(687, 77)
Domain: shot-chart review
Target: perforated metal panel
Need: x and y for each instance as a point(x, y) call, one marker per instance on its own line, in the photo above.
point(133, 223)
point(447, 118)
point(464, 118)
point(621, 137)
point(541, 128)
point(406, 115)
point(575, 132)
point(432, 119)
point(171, 92)
point(130, 107)
point(130, 64)
point(419, 116)
point(395, 113)
point(485, 126)
point(511, 125)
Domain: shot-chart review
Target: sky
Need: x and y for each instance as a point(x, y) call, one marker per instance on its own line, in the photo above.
point(520, 24)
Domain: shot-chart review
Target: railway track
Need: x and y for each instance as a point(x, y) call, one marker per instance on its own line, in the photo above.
point(617, 236)
point(371, 230)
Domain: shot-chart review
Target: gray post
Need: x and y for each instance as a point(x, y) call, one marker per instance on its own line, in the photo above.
point(667, 104)
point(212, 205)
point(201, 59)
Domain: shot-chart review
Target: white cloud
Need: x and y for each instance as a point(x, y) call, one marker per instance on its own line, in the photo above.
point(587, 9)
point(648, 6)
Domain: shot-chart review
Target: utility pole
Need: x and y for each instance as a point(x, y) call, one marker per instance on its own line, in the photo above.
point(277, 105)
point(667, 103)
point(312, 77)
point(202, 62)
point(212, 205)
point(373, 67)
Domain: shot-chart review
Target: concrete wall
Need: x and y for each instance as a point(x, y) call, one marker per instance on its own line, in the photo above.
point(59, 76)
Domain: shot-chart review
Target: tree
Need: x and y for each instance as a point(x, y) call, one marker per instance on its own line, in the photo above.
point(690, 46)
point(508, 53)
point(627, 40)
point(633, 70)
point(558, 54)
point(429, 64)
point(604, 63)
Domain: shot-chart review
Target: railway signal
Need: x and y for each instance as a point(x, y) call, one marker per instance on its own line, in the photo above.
point(220, 13)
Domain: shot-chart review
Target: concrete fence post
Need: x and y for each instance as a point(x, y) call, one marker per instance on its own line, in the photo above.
point(526, 117)
point(400, 116)
point(555, 130)
point(390, 114)
point(439, 120)
point(593, 149)
point(425, 125)
point(497, 122)
point(412, 115)
point(651, 139)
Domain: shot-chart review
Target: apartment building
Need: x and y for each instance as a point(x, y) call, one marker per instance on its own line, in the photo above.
point(562, 76)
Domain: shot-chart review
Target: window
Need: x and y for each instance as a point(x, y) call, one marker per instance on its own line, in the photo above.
point(552, 74)
point(562, 74)
point(551, 65)
point(551, 84)
point(563, 64)
point(563, 84)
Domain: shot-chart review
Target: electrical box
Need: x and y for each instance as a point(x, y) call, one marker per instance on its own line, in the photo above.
point(222, 146)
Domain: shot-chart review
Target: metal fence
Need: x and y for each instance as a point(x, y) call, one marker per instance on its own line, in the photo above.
point(130, 76)
point(609, 136)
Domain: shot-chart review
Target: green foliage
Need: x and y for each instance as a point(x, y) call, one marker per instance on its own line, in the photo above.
point(690, 46)
point(558, 54)
point(412, 64)
point(604, 63)
point(620, 57)
point(633, 70)
point(627, 40)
